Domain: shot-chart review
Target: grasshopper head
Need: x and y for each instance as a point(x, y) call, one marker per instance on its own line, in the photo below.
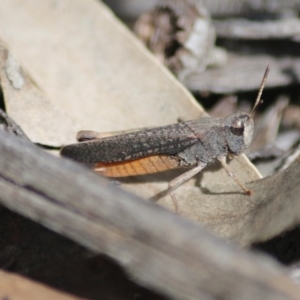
point(239, 132)
point(239, 126)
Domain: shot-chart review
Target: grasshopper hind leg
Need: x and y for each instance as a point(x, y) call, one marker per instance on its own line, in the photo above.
point(176, 182)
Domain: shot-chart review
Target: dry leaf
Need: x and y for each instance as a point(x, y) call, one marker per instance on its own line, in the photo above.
point(180, 34)
point(41, 120)
point(95, 70)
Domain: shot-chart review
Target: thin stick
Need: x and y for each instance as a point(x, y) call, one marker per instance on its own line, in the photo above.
point(262, 85)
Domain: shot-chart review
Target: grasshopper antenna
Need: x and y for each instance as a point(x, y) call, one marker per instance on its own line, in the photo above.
point(262, 85)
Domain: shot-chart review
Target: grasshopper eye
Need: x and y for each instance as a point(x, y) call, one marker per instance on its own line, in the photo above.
point(237, 127)
point(237, 130)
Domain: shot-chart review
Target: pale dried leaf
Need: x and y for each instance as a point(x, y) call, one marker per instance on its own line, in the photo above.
point(95, 70)
point(273, 208)
point(41, 120)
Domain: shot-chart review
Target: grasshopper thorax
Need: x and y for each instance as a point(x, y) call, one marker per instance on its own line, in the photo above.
point(239, 132)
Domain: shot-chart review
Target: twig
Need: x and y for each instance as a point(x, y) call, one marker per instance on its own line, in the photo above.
point(159, 249)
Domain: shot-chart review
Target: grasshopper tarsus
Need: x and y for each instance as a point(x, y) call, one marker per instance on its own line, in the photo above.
point(249, 193)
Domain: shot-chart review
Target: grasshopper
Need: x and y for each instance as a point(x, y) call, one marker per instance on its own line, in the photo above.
point(192, 144)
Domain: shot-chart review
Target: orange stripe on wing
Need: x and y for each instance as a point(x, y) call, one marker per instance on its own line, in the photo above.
point(142, 166)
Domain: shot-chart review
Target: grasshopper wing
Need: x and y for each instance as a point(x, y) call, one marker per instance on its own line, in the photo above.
point(168, 140)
